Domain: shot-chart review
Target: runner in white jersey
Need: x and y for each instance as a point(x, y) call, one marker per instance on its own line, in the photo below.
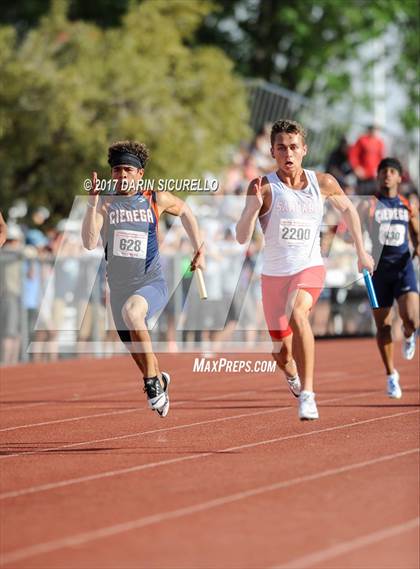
point(289, 206)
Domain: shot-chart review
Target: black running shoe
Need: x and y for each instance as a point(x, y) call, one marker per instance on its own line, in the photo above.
point(164, 410)
point(156, 396)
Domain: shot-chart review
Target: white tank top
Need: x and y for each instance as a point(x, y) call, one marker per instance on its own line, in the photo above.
point(292, 227)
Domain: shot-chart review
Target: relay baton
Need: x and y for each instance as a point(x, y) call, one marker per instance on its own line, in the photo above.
point(202, 291)
point(370, 289)
point(201, 284)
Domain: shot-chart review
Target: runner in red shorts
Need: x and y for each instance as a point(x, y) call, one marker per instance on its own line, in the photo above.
point(289, 205)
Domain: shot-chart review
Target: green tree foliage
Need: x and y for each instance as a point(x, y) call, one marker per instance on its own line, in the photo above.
point(305, 45)
point(69, 89)
point(407, 72)
point(25, 14)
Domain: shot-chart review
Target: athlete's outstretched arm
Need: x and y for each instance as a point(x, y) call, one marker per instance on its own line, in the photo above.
point(254, 202)
point(169, 203)
point(331, 190)
point(3, 230)
point(93, 220)
point(413, 228)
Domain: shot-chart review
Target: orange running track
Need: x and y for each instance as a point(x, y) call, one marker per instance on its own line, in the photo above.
point(230, 479)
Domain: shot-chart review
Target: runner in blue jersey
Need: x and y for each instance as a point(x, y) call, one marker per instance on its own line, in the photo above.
point(391, 221)
point(128, 225)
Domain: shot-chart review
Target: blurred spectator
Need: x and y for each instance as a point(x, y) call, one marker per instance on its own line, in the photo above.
point(89, 297)
point(10, 299)
point(261, 149)
point(44, 328)
point(36, 242)
point(251, 318)
point(338, 161)
point(232, 257)
point(232, 179)
point(55, 272)
point(207, 317)
point(40, 215)
point(250, 168)
point(364, 156)
point(66, 250)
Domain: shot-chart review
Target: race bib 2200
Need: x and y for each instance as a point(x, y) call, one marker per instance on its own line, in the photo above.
point(295, 231)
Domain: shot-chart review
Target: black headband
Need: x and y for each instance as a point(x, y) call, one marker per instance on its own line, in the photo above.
point(390, 163)
point(125, 159)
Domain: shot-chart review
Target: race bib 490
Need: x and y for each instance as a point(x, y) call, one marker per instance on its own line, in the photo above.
point(392, 234)
point(130, 243)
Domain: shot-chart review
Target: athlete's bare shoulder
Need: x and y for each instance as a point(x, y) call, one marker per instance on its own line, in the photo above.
point(328, 184)
point(414, 209)
point(169, 203)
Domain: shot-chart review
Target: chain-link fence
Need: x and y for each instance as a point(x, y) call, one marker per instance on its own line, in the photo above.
point(270, 102)
point(58, 305)
point(54, 307)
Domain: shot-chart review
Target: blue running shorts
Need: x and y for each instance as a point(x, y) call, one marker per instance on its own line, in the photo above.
point(392, 283)
point(156, 294)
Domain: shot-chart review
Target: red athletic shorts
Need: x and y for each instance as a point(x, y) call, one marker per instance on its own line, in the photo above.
point(276, 292)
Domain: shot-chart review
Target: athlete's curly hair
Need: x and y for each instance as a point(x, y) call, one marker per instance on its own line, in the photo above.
point(287, 126)
point(138, 149)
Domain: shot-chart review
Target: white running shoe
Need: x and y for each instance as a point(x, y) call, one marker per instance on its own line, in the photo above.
point(294, 385)
point(393, 382)
point(164, 410)
point(157, 394)
point(307, 406)
point(409, 347)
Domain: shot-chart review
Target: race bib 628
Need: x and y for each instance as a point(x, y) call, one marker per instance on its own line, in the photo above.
point(130, 243)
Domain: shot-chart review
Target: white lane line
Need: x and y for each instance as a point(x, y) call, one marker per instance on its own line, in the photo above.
point(349, 546)
point(231, 394)
point(131, 435)
point(59, 384)
point(73, 399)
point(149, 465)
point(112, 530)
point(70, 385)
point(70, 419)
point(91, 376)
point(337, 375)
point(122, 411)
point(215, 397)
point(5, 407)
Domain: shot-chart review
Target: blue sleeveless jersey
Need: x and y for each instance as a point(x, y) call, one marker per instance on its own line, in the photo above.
point(130, 238)
point(389, 221)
